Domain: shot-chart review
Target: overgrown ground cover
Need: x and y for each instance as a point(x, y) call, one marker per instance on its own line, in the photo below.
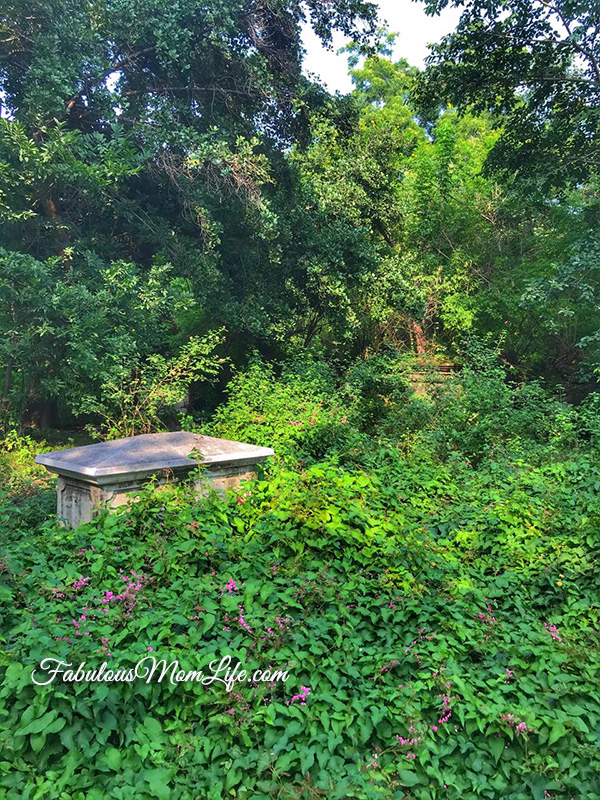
point(198, 234)
point(427, 569)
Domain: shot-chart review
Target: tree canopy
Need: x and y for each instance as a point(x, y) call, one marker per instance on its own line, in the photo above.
point(535, 65)
point(168, 174)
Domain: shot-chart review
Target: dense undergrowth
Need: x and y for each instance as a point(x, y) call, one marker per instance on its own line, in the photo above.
point(426, 568)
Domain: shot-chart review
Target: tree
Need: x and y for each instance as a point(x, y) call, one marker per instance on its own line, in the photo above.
point(566, 302)
point(170, 66)
point(535, 65)
point(141, 138)
point(430, 215)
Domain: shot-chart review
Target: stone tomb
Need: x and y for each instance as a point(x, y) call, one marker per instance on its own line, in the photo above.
point(105, 473)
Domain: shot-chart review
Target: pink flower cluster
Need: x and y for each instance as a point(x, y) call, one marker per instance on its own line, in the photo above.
point(130, 596)
point(231, 586)
point(104, 648)
point(82, 618)
point(446, 712)
point(283, 623)
point(553, 631)
point(488, 617)
point(240, 619)
point(421, 638)
point(304, 692)
point(81, 583)
point(4, 564)
point(520, 727)
point(410, 742)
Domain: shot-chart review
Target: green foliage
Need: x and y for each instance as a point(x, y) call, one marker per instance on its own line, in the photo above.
point(135, 398)
point(140, 140)
point(297, 414)
point(78, 329)
point(422, 555)
point(446, 234)
point(26, 490)
point(17, 453)
point(80, 168)
point(229, 58)
point(536, 66)
point(444, 611)
point(173, 173)
point(566, 299)
point(477, 414)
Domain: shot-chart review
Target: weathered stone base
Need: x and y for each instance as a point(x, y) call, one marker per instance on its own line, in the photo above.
point(223, 479)
point(76, 501)
point(79, 501)
point(109, 474)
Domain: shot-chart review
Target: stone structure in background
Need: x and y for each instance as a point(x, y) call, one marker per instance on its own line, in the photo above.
point(104, 474)
point(431, 376)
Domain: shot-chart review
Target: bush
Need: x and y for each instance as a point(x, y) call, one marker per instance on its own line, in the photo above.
point(479, 414)
point(444, 620)
point(379, 393)
point(306, 413)
point(588, 419)
point(297, 413)
point(136, 397)
point(26, 489)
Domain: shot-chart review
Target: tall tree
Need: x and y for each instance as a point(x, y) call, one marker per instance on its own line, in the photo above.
point(536, 65)
point(193, 62)
point(142, 138)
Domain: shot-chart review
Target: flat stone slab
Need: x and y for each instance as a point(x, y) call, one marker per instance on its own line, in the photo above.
point(140, 456)
point(106, 473)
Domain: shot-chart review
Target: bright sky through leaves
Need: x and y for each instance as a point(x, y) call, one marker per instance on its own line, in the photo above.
point(407, 18)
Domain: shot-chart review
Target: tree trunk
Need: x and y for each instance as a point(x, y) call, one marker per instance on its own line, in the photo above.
point(7, 380)
point(420, 337)
point(312, 329)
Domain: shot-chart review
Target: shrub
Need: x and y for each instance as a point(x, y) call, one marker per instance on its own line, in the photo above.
point(297, 413)
point(443, 618)
point(135, 398)
point(479, 413)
